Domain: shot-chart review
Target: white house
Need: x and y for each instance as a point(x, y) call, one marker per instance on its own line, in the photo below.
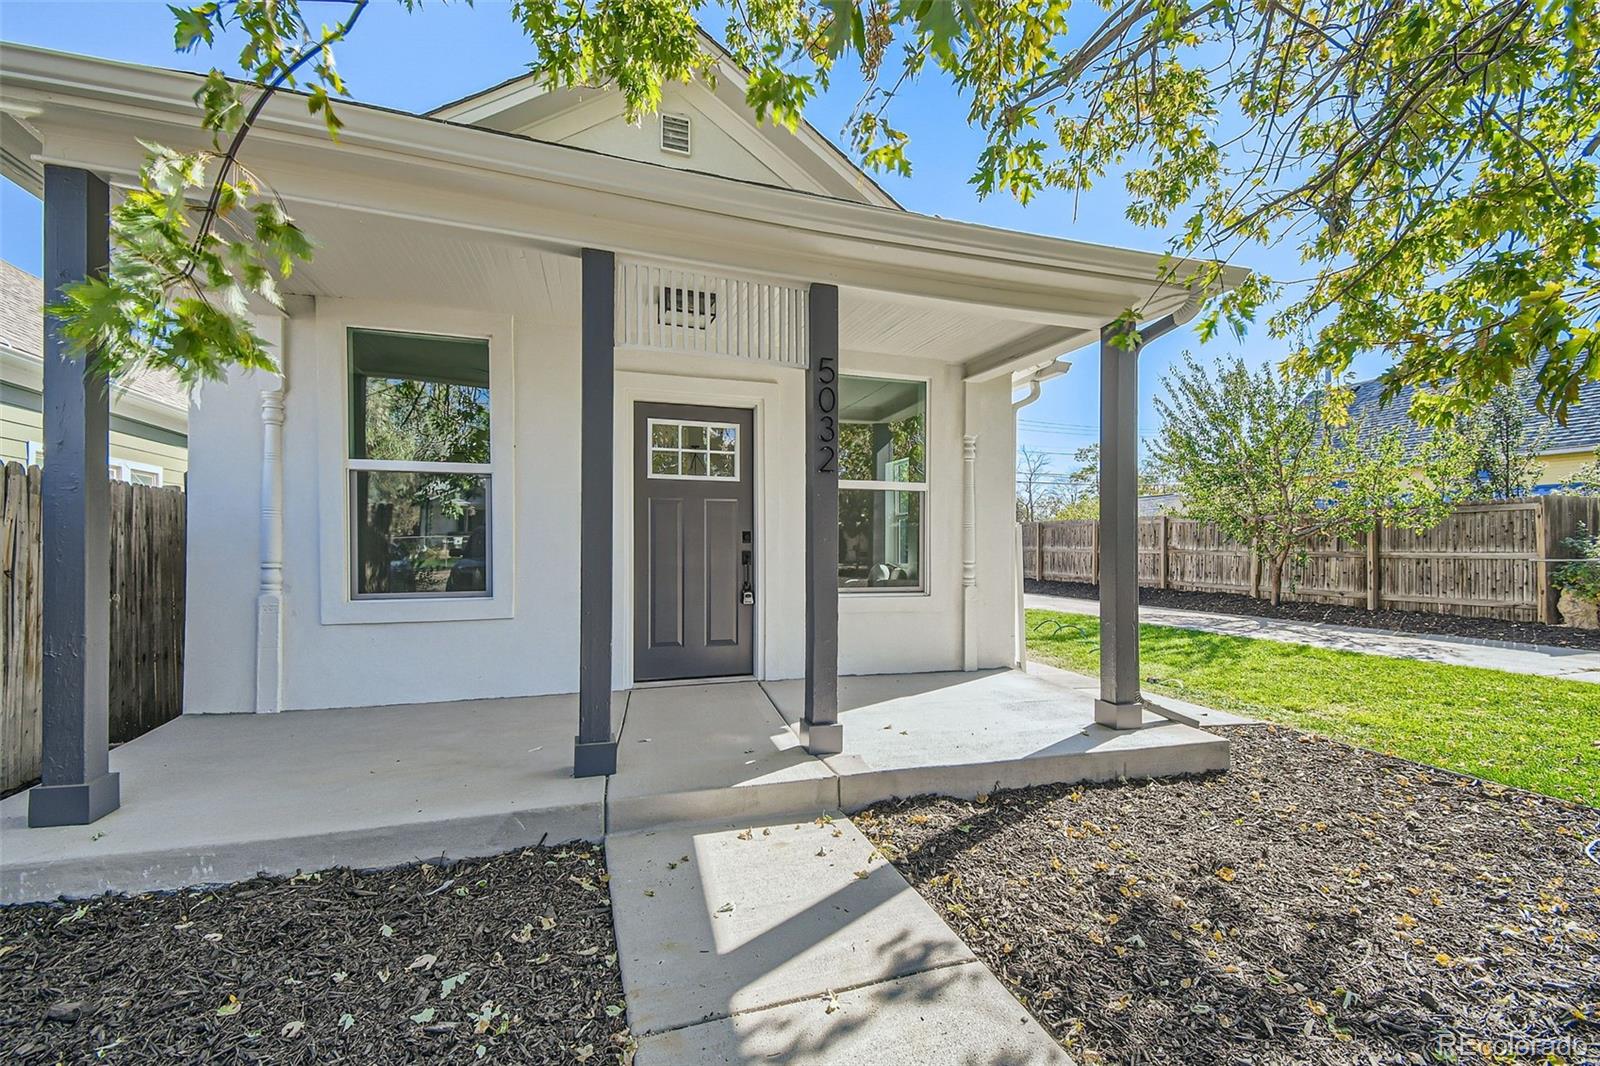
point(719, 407)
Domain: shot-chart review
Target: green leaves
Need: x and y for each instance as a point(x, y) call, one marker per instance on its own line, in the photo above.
point(1274, 462)
point(178, 295)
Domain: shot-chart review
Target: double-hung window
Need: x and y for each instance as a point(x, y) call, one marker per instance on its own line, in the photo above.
point(883, 483)
point(420, 487)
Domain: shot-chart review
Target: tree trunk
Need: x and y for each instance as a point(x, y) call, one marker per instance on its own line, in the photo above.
point(1277, 578)
point(1257, 565)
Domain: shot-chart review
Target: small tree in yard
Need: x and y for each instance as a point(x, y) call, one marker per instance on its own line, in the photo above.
point(1508, 438)
point(1255, 453)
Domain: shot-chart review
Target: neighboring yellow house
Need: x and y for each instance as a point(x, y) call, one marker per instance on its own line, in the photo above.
point(1566, 447)
point(149, 409)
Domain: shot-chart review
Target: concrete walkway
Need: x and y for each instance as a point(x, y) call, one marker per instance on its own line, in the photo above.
point(794, 942)
point(1573, 664)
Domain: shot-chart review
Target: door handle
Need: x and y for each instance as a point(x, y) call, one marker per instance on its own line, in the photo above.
point(747, 594)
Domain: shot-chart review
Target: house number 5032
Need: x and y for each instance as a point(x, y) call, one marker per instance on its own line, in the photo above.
point(827, 401)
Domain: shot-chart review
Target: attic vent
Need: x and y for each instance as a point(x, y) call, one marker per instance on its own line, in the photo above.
point(691, 308)
point(675, 134)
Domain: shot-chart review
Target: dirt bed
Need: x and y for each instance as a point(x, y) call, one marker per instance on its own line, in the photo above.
point(512, 955)
point(1316, 904)
point(1336, 614)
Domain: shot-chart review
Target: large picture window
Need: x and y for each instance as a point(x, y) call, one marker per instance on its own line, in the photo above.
point(883, 483)
point(420, 488)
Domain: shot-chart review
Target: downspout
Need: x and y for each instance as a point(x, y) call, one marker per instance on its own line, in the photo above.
point(1035, 382)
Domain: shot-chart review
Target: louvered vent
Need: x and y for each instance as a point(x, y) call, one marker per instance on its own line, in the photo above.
point(675, 134)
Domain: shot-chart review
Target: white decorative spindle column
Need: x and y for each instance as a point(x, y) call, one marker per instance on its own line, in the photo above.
point(269, 595)
point(969, 552)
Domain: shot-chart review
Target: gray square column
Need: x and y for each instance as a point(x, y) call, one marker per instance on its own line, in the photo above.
point(820, 730)
point(77, 786)
point(595, 746)
point(1119, 703)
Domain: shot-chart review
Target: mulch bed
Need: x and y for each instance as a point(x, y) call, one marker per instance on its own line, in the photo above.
point(510, 959)
point(1338, 614)
point(1316, 904)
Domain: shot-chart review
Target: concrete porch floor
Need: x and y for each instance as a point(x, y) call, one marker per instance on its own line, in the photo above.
point(210, 799)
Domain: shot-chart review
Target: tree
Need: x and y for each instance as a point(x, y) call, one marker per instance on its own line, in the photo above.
point(1273, 465)
point(1433, 163)
point(1509, 440)
point(1037, 497)
point(1083, 480)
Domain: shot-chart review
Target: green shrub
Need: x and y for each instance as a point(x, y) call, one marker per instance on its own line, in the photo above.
point(1581, 577)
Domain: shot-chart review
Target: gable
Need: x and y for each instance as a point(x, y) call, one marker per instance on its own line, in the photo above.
point(724, 137)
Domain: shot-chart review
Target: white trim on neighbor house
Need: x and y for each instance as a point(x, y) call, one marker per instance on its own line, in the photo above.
point(340, 605)
point(124, 470)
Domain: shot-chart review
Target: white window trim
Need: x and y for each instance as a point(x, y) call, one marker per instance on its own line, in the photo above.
point(651, 449)
point(924, 587)
point(33, 453)
point(339, 604)
point(126, 467)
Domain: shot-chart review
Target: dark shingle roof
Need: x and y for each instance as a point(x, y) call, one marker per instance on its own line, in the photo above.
point(1580, 433)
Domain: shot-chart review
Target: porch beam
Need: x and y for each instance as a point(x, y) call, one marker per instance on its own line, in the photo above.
point(820, 729)
point(595, 746)
point(1119, 703)
point(76, 786)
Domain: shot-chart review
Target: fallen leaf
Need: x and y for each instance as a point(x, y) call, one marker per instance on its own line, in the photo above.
point(292, 1029)
point(231, 1007)
point(423, 962)
point(424, 1016)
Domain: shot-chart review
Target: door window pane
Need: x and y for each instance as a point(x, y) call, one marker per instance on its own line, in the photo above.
point(418, 533)
point(880, 539)
point(417, 398)
point(698, 450)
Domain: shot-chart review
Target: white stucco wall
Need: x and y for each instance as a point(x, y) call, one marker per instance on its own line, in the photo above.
point(330, 661)
point(224, 546)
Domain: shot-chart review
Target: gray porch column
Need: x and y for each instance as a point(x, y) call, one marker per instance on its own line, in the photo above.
point(77, 785)
point(1118, 705)
point(820, 730)
point(595, 747)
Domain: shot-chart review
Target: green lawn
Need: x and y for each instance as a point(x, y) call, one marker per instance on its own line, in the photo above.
point(1536, 733)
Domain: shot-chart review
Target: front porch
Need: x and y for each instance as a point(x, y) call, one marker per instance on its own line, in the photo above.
point(221, 798)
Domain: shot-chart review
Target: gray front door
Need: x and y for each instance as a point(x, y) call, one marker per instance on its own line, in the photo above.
point(694, 542)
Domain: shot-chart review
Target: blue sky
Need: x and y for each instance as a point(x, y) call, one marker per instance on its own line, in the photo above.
point(420, 60)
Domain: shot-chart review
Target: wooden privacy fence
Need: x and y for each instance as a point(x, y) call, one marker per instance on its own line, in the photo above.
point(147, 573)
point(1490, 560)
